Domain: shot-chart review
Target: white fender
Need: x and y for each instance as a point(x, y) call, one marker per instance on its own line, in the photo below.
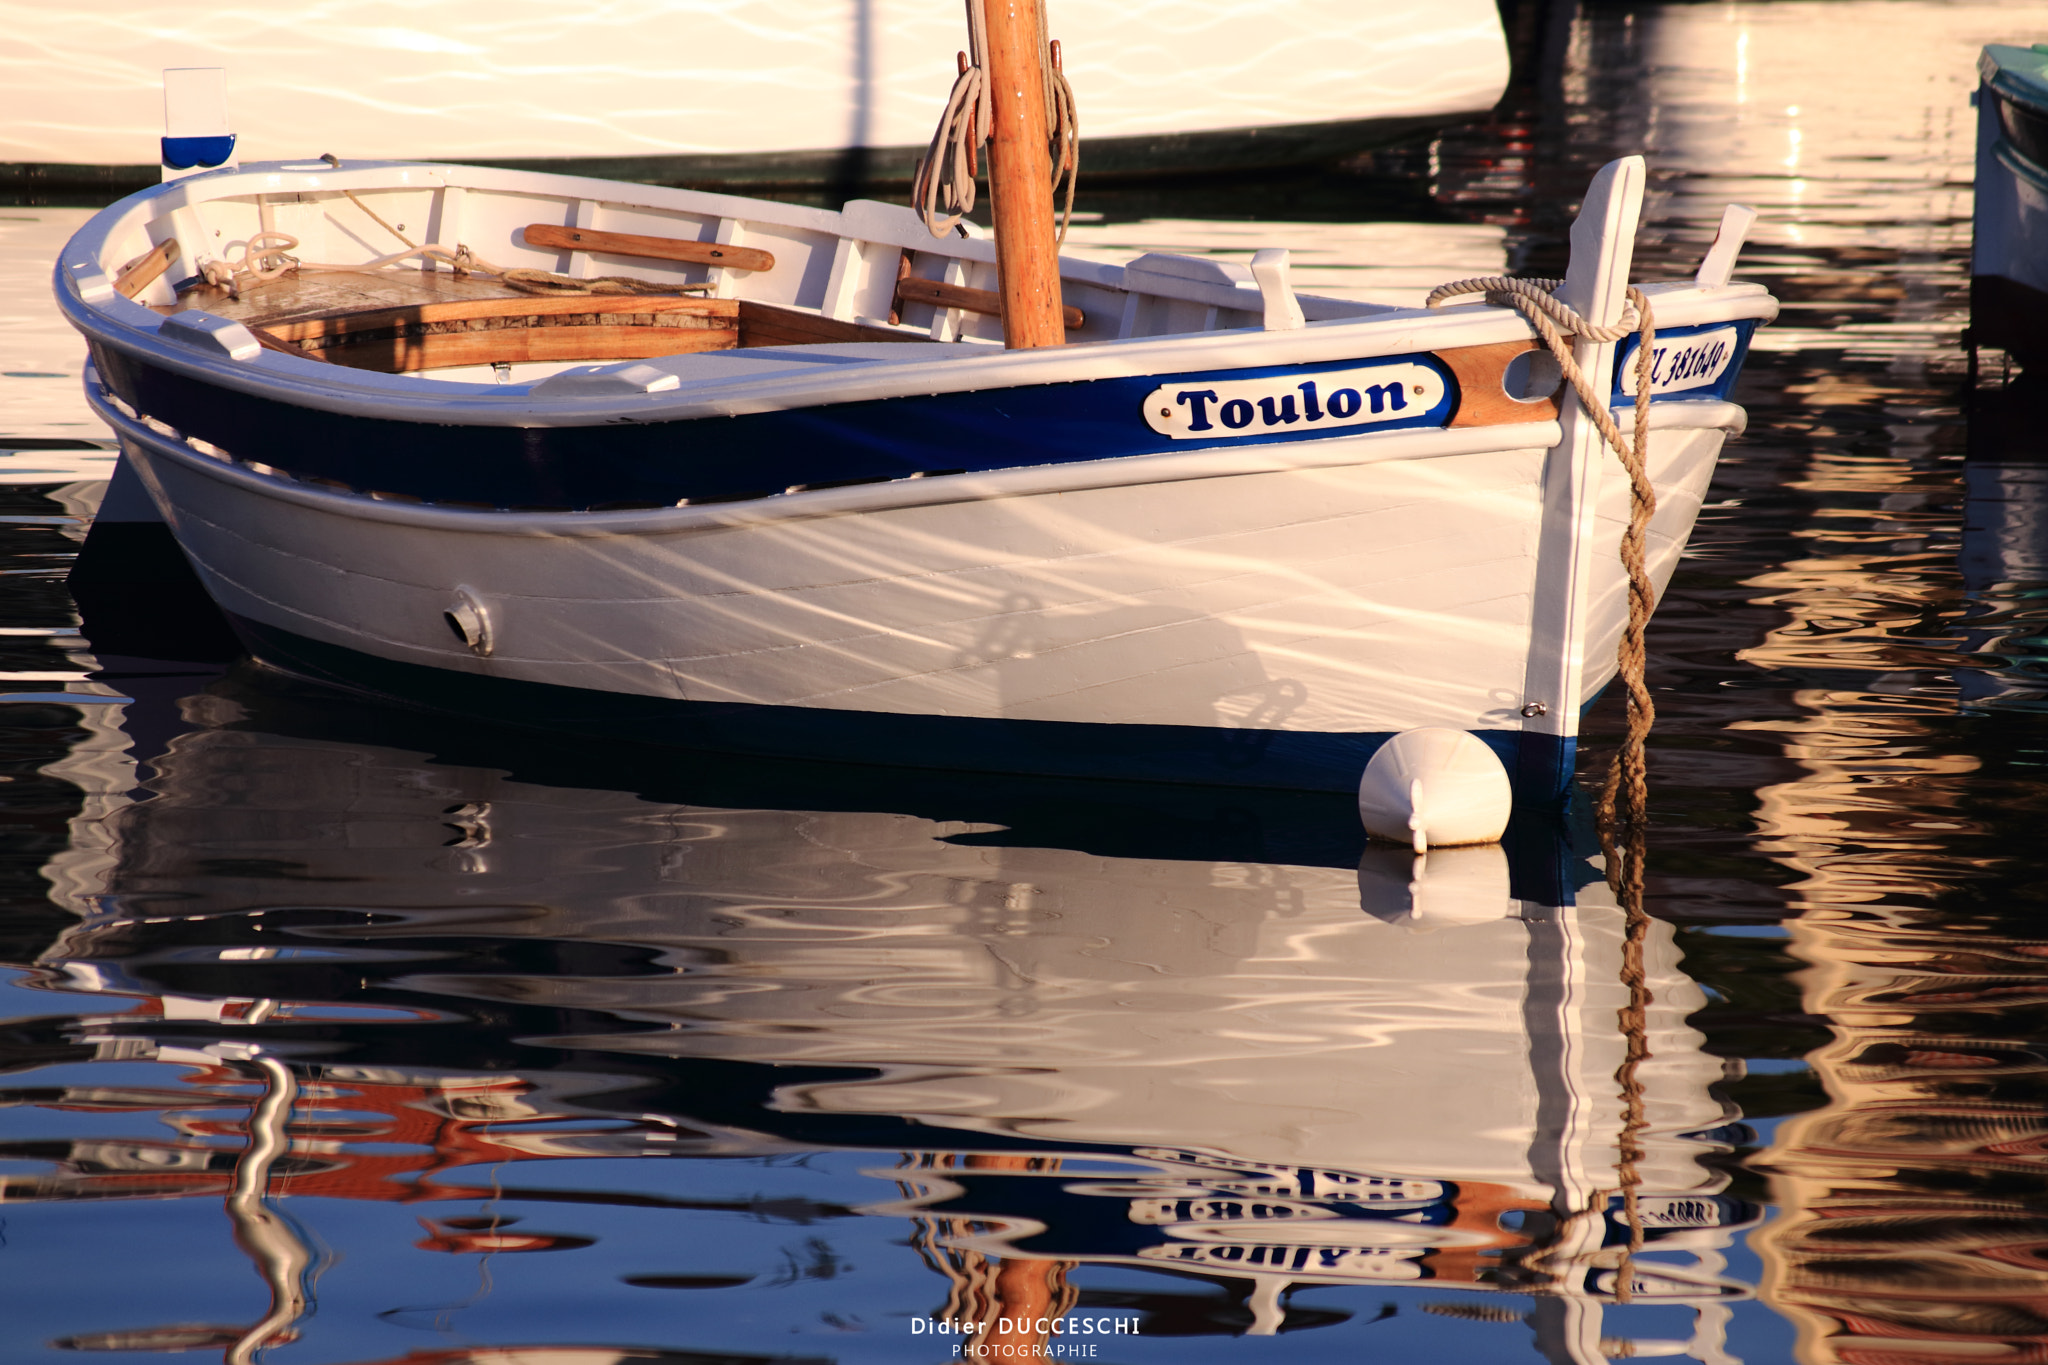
point(1435, 786)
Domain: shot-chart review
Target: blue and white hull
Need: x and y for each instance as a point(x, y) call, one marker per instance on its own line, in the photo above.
point(1236, 553)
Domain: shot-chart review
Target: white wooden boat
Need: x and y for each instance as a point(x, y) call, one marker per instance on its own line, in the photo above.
point(1227, 534)
point(741, 91)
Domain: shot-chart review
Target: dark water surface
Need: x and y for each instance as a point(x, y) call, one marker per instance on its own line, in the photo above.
point(339, 1034)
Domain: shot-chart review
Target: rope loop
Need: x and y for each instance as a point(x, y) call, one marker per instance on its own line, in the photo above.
point(264, 257)
point(944, 190)
point(1505, 290)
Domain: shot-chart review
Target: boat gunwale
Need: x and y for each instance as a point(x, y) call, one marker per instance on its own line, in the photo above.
point(110, 319)
point(313, 385)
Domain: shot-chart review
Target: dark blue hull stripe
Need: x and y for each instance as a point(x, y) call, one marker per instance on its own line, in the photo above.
point(708, 458)
point(1540, 765)
point(712, 458)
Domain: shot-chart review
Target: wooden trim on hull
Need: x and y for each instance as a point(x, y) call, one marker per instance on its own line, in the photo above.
point(1483, 397)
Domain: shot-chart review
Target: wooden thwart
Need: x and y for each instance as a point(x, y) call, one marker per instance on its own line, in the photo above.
point(985, 301)
point(350, 320)
point(140, 273)
point(554, 238)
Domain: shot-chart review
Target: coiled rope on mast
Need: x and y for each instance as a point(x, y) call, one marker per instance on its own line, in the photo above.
point(944, 190)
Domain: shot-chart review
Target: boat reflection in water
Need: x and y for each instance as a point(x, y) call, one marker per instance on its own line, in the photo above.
point(393, 972)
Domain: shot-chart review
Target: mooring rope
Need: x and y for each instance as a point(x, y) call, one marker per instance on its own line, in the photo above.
point(1626, 794)
point(1623, 808)
point(943, 192)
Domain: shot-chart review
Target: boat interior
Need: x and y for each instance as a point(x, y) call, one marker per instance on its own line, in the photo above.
point(481, 276)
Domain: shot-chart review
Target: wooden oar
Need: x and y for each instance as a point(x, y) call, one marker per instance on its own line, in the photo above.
point(555, 238)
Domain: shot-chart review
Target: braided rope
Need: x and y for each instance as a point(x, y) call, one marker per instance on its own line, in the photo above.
point(943, 191)
point(1627, 791)
point(1624, 798)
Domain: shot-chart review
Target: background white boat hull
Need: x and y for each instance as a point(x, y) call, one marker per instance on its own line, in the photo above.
point(469, 81)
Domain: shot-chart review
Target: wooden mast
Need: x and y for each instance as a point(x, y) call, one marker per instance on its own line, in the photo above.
point(1020, 176)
